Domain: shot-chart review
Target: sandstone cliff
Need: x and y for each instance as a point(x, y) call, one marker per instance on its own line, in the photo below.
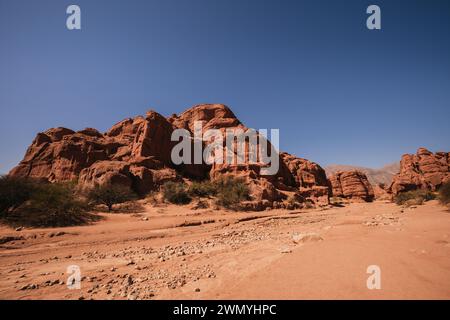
point(136, 152)
point(423, 170)
point(352, 185)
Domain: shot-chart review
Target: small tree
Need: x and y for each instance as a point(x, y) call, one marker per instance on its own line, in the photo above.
point(14, 192)
point(50, 205)
point(110, 195)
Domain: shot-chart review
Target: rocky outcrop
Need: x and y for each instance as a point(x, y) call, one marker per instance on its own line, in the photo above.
point(382, 193)
point(382, 176)
point(212, 116)
point(423, 170)
point(136, 152)
point(309, 178)
point(352, 185)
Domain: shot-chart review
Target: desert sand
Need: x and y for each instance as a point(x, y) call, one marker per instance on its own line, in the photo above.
point(172, 252)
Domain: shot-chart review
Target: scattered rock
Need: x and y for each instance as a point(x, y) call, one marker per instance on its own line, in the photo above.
point(285, 250)
point(7, 239)
point(306, 237)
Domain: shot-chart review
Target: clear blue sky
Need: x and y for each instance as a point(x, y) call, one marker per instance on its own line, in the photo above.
point(338, 92)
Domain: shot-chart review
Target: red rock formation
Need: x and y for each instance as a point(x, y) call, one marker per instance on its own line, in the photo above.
point(309, 178)
point(137, 153)
point(381, 193)
point(294, 174)
point(134, 153)
point(351, 185)
point(423, 170)
point(212, 116)
point(60, 154)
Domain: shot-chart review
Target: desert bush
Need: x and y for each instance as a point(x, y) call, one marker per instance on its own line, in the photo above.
point(444, 193)
point(14, 192)
point(176, 192)
point(414, 197)
point(110, 195)
point(51, 205)
point(231, 191)
point(203, 189)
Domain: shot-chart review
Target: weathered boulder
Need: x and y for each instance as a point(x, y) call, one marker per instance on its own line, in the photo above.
point(105, 173)
point(352, 185)
point(305, 173)
point(423, 170)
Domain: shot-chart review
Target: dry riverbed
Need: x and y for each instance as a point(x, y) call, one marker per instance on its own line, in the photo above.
point(171, 252)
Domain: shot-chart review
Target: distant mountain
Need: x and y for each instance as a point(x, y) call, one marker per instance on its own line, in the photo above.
point(375, 176)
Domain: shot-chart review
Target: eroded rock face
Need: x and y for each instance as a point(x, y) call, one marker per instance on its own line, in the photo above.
point(137, 153)
point(134, 153)
point(308, 178)
point(352, 185)
point(423, 170)
point(60, 154)
point(212, 116)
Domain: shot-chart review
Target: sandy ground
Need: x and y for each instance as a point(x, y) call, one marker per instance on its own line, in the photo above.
point(177, 253)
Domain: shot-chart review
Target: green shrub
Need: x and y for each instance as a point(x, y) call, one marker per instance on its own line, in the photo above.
point(203, 189)
point(444, 193)
point(14, 192)
point(231, 191)
point(51, 205)
point(110, 195)
point(176, 192)
point(414, 197)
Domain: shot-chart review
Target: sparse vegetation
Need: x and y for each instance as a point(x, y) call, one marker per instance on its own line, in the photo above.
point(228, 191)
point(50, 205)
point(176, 192)
point(414, 197)
point(110, 195)
point(231, 191)
point(203, 189)
point(444, 193)
point(14, 192)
